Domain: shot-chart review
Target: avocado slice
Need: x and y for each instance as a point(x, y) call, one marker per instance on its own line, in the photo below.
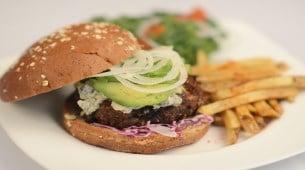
point(160, 72)
point(125, 96)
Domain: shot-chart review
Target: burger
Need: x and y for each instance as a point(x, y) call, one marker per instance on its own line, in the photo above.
point(126, 99)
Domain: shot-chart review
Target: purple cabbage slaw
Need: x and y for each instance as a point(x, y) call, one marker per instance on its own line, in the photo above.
point(170, 130)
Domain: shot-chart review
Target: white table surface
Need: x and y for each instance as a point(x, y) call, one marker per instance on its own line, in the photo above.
point(22, 22)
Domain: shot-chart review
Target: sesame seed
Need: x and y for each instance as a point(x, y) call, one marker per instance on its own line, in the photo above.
point(130, 48)
point(88, 27)
point(119, 42)
point(69, 125)
point(33, 56)
point(43, 58)
point(65, 39)
point(60, 35)
point(45, 83)
point(44, 52)
point(42, 40)
point(84, 33)
point(32, 64)
point(102, 24)
point(75, 33)
point(72, 47)
point(62, 31)
point(104, 31)
point(37, 49)
point(53, 44)
point(63, 35)
point(22, 64)
point(97, 37)
point(57, 36)
point(49, 40)
point(16, 97)
point(18, 69)
point(53, 34)
point(98, 31)
point(131, 36)
point(67, 27)
point(116, 30)
point(4, 91)
point(70, 116)
point(43, 76)
point(20, 78)
point(31, 51)
point(120, 38)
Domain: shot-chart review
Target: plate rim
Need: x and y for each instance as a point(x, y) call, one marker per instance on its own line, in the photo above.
point(271, 160)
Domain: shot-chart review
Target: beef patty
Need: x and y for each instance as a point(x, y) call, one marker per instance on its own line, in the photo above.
point(192, 97)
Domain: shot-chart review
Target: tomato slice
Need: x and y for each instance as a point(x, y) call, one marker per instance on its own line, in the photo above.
point(155, 30)
point(196, 14)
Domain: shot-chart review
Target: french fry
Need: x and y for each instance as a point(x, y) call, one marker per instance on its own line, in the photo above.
point(247, 121)
point(232, 136)
point(202, 58)
point(250, 97)
point(267, 83)
point(259, 62)
point(216, 86)
point(199, 70)
point(260, 121)
point(283, 66)
point(290, 99)
point(265, 110)
point(246, 93)
point(251, 108)
point(299, 81)
point(230, 119)
point(201, 64)
point(259, 73)
point(218, 120)
point(232, 126)
point(216, 77)
point(241, 75)
point(276, 105)
point(245, 70)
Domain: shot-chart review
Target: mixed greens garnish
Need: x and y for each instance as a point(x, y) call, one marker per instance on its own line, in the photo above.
point(188, 34)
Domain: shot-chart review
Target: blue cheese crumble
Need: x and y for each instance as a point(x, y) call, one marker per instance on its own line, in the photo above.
point(90, 100)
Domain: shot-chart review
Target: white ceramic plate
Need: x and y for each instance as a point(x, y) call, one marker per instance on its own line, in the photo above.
point(34, 126)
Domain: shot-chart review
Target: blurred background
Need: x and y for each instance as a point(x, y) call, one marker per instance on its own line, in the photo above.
point(23, 22)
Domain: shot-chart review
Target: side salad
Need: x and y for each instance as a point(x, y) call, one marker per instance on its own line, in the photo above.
point(188, 34)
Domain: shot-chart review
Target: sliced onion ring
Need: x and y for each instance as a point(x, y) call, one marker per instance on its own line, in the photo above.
point(131, 72)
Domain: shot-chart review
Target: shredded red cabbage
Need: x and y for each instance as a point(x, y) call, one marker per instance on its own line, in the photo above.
point(171, 130)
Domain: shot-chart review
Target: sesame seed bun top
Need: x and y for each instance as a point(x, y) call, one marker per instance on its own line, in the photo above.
point(69, 55)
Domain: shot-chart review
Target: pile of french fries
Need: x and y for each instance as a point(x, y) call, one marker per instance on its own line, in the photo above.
point(246, 94)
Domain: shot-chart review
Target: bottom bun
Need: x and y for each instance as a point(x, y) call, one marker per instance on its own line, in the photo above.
point(113, 140)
